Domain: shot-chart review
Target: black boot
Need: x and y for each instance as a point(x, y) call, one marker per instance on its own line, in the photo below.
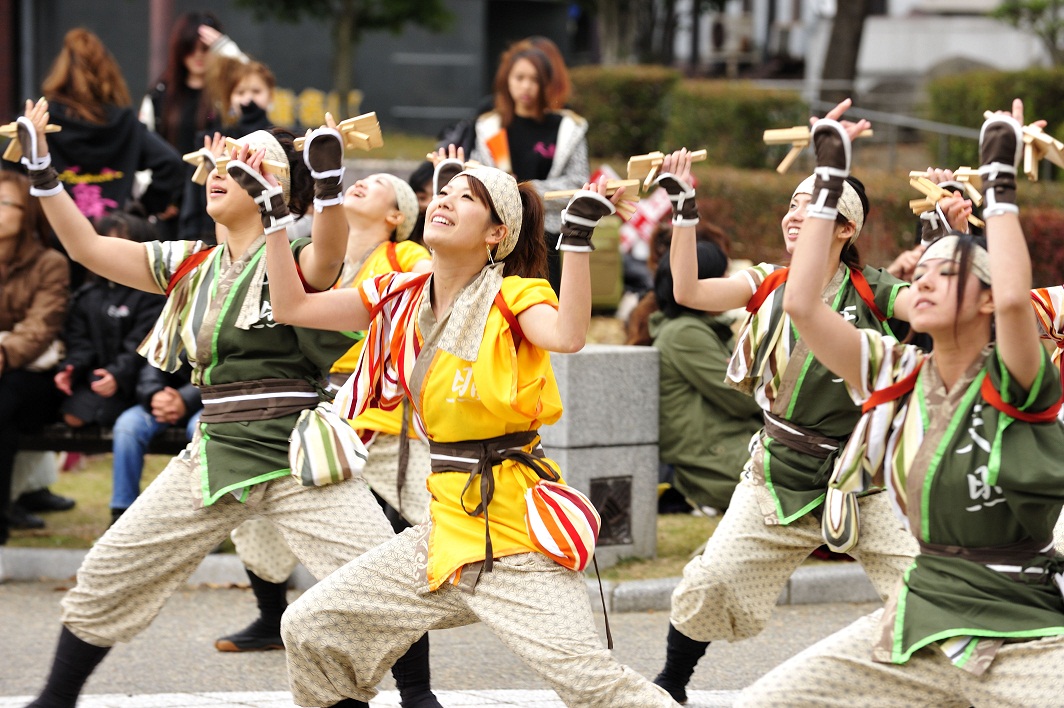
point(350, 703)
point(74, 661)
point(681, 657)
point(19, 517)
point(265, 632)
point(411, 673)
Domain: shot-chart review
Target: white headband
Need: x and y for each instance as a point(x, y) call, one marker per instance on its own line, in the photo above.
point(849, 203)
point(262, 140)
point(405, 202)
point(506, 199)
point(947, 248)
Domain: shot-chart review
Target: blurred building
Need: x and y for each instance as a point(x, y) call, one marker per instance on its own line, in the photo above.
point(416, 81)
point(905, 42)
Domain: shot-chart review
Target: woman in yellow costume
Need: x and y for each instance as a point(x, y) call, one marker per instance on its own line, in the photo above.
point(468, 346)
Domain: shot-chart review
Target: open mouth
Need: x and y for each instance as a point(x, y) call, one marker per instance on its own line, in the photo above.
point(441, 220)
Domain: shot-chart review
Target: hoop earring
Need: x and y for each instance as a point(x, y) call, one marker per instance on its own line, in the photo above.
point(490, 259)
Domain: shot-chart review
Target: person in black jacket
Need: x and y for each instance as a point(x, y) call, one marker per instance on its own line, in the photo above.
point(246, 89)
point(104, 327)
point(163, 400)
point(102, 144)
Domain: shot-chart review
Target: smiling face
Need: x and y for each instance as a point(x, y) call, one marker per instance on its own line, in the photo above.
point(370, 198)
point(523, 83)
point(457, 221)
point(792, 221)
point(796, 216)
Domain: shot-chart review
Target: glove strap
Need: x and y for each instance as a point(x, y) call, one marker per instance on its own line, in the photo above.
point(44, 182)
point(832, 147)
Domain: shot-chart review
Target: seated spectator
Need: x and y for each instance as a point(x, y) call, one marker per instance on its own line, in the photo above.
point(163, 400)
point(636, 326)
point(705, 425)
point(34, 290)
point(106, 324)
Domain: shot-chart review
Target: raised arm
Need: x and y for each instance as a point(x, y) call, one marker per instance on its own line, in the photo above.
point(115, 259)
point(339, 310)
point(712, 294)
point(565, 329)
point(1000, 147)
point(833, 340)
point(323, 154)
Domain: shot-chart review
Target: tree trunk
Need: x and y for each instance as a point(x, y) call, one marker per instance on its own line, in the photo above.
point(840, 61)
point(630, 19)
point(668, 33)
point(696, 37)
point(610, 31)
point(344, 32)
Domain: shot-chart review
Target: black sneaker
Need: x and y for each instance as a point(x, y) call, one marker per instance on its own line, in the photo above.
point(255, 637)
point(44, 500)
point(21, 518)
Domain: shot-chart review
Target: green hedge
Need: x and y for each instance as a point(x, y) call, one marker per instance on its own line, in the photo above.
point(749, 205)
point(961, 99)
point(728, 118)
point(626, 106)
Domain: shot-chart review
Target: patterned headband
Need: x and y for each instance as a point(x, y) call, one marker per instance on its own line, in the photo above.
point(502, 188)
point(405, 201)
point(948, 248)
point(849, 203)
point(259, 140)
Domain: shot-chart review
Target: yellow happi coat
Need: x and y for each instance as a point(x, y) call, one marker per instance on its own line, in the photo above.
point(506, 390)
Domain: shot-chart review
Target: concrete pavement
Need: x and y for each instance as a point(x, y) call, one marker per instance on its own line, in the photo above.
point(173, 663)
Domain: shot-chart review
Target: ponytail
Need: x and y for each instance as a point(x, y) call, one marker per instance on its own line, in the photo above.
point(529, 257)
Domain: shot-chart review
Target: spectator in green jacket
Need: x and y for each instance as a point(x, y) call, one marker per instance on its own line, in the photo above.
point(705, 425)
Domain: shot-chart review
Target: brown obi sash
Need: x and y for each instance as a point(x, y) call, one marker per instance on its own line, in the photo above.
point(806, 442)
point(477, 457)
point(800, 439)
point(1028, 562)
point(263, 399)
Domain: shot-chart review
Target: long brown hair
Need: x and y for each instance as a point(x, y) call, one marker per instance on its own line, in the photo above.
point(560, 85)
point(504, 102)
point(183, 40)
point(529, 257)
point(85, 77)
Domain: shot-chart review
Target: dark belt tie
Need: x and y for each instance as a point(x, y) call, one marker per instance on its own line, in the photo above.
point(478, 457)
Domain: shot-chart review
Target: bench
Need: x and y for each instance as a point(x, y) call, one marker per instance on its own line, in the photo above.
point(95, 440)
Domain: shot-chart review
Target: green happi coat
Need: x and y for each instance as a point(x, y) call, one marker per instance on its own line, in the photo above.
point(220, 317)
point(774, 364)
point(981, 492)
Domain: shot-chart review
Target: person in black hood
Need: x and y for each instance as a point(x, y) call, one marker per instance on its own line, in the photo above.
point(102, 144)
